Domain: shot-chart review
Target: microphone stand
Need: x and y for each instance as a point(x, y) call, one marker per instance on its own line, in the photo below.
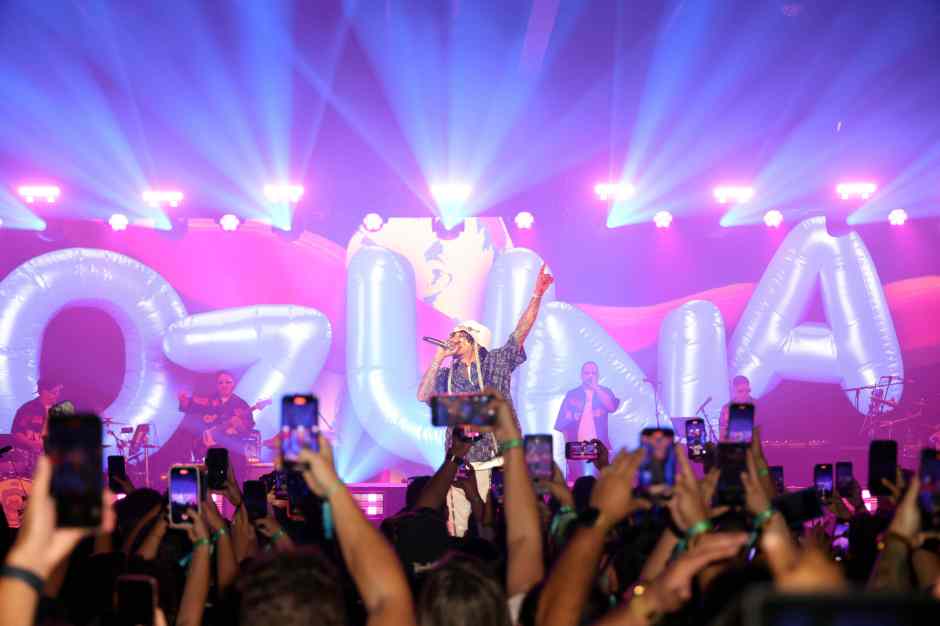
point(708, 423)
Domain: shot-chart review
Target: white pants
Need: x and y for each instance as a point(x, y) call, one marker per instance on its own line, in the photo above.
point(458, 506)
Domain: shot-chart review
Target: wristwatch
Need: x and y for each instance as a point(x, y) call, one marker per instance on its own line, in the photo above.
point(588, 517)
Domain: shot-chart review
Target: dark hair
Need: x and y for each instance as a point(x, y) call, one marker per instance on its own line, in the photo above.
point(292, 589)
point(414, 489)
point(459, 593)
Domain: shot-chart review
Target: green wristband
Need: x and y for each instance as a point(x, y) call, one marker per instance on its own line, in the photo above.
point(697, 529)
point(280, 533)
point(763, 517)
point(763, 472)
point(219, 533)
point(510, 444)
point(202, 541)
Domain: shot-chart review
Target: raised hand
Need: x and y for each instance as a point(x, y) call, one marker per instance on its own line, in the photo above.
point(687, 505)
point(543, 282)
point(320, 473)
point(613, 493)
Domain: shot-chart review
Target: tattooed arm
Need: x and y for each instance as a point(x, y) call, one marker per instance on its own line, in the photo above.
point(542, 283)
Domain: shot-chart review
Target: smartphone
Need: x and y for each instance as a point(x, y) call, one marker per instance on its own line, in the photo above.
point(581, 451)
point(297, 493)
point(695, 438)
point(657, 472)
point(74, 448)
point(135, 600)
point(300, 426)
point(185, 493)
point(766, 607)
point(740, 422)
point(776, 475)
point(453, 409)
point(280, 484)
point(799, 507)
point(844, 477)
point(255, 497)
point(822, 479)
point(497, 484)
point(929, 496)
point(216, 468)
point(882, 463)
point(116, 468)
point(538, 456)
point(732, 462)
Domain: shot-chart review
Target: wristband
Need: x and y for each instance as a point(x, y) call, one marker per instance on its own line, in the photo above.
point(24, 576)
point(763, 472)
point(510, 444)
point(202, 541)
point(280, 533)
point(219, 533)
point(697, 529)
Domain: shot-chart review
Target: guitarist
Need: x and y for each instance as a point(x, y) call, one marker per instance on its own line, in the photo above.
point(29, 422)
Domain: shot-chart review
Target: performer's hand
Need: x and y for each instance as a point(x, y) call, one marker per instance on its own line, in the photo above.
point(543, 282)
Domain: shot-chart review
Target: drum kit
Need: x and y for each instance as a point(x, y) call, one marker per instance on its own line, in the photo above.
point(910, 429)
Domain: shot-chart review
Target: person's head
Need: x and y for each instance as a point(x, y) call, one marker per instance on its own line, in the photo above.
point(469, 336)
point(292, 589)
point(49, 390)
point(464, 343)
point(589, 373)
point(224, 384)
point(740, 389)
point(460, 593)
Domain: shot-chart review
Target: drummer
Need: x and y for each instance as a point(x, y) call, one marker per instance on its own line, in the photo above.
point(29, 423)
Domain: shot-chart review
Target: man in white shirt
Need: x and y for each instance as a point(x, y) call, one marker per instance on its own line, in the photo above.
point(583, 413)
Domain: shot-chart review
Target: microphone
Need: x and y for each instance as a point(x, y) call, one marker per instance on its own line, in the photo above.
point(704, 404)
point(436, 342)
point(5, 449)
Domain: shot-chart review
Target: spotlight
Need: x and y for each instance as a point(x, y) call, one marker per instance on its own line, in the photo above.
point(118, 221)
point(614, 191)
point(372, 222)
point(229, 222)
point(449, 193)
point(733, 193)
point(773, 218)
point(897, 217)
point(662, 219)
point(30, 193)
point(862, 190)
point(524, 220)
point(158, 197)
point(283, 192)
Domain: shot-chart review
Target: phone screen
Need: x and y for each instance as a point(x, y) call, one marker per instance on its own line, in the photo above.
point(538, 456)
point(657, 472)
point(299, 426)
point(740, 422)
point(135, 600)
point(74, 448)
point(822, 478)
point(695, 438)
point(217, 468)
point(581, 451)
point(455, 409)
point(496, 484)
point(929, 497)
point(776, 475)
point(844, 477)
point(732, 462)
point(882, 463)
point(256, 499)
point(184, 493)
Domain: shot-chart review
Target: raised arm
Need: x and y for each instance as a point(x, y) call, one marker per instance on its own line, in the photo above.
point(542, 283)
point(434, 493)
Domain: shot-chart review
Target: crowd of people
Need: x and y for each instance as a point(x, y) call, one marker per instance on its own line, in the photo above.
point(538, 553)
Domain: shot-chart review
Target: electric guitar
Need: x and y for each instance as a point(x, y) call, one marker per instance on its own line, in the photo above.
point(238, 424)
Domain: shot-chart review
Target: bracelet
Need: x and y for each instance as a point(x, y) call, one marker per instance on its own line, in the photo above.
point(219, 533)
point(509, 444)
point(202, 541)
point(280, 533)
point(24, 576)
point(697, 529)
point(763, 472)
point(763, 517)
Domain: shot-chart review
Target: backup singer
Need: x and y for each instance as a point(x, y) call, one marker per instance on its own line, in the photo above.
point(740, 394)
point(583, 413)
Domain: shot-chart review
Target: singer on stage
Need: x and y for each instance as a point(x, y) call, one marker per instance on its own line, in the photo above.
point(740, 394)
point(583, 413)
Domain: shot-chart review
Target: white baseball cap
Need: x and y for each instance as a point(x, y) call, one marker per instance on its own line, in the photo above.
point(480, 333)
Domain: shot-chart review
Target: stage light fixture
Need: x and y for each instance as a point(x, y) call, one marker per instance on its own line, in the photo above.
point(229, 222)
point(118, 221)
point(524, 220)
point(662, 219)
point(897, 217)
point(31, 193)
point(283, 192)
point(373, 222)
point(451, 192)
point(614, 191)
point(863, 190)
point(160, 197)
point(773, 218)
point(732, 193)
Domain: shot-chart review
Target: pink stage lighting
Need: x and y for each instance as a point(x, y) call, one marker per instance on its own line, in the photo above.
point(229, 222)
point(897, 217)
point(732, 193)
point(450, 193)
point(283, 193)
point(662, 219)
point(31, 193)
point(160, 197)
point(863, 190)
point(118, 221)
point(524, 220)
point(373, 222)
point(773, 218)
point(614, 191)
